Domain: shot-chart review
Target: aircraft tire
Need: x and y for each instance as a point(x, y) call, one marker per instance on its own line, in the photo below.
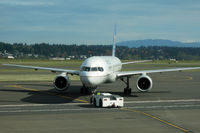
point(95, 103)
point(127, 91)
point(100, 103)
point(91, 100)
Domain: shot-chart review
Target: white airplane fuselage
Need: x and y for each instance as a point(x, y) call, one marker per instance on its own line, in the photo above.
point(97, 70)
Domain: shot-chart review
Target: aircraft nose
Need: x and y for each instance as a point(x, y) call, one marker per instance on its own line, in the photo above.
point(92, 81)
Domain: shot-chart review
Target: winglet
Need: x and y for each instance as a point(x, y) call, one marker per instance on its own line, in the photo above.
point(114, 40)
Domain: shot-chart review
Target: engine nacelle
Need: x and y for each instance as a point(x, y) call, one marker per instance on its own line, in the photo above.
point(144, 83)
point(62, 82)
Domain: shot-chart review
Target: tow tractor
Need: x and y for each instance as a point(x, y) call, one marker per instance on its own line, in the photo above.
point(106, 100)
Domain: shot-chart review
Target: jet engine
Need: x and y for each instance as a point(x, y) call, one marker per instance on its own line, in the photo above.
point(62, 82)
point(144, 83)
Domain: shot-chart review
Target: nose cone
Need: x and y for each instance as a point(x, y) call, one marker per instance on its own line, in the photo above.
point(92, 80)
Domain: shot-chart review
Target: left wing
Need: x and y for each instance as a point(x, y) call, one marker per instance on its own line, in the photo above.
point(130, 73)
point(73, 72)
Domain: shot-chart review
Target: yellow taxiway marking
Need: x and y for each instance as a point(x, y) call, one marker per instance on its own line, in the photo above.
point(49, 93)
point(190, 78)
point(156, 118)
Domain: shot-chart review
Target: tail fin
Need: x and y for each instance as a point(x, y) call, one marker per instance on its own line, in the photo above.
point(114, 40)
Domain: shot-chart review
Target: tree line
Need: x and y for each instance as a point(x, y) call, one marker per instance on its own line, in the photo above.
point(45, 50)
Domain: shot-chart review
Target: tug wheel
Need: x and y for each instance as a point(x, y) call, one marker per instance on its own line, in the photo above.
point(100, 103)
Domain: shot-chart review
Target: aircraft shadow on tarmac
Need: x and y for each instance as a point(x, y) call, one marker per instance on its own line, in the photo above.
point(51, 96)
point(37, 85)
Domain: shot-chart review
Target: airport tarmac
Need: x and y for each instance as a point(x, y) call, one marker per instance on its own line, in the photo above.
point(173, 105)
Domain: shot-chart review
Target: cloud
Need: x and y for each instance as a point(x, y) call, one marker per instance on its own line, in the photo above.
point(93, 20)
point(26, 3)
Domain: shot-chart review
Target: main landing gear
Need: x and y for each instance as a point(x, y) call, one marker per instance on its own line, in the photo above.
point(127, 90)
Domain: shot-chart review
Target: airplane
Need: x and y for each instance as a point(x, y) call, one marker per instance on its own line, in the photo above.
point(98, 70)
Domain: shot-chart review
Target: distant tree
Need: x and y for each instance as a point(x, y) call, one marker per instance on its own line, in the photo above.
point(46, 50)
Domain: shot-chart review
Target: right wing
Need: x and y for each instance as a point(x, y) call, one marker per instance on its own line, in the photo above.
point(139, 61)
point(73, 72)
point(130, 73)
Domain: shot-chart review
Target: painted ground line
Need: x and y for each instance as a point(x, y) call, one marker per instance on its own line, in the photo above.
point(39, 105)
point(165, 101)
point(158, 119)
point(170, 106)
point(48, 110)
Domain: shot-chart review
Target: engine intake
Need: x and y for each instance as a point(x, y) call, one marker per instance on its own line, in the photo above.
point(62, 82)
point(144, 83)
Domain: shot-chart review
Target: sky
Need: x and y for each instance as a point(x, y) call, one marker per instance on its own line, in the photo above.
point(92, 21)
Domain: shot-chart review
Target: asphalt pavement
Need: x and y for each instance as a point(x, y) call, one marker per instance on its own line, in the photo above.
point(173, 105)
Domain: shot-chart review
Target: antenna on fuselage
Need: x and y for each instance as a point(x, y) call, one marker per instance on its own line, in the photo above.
point(114, 40)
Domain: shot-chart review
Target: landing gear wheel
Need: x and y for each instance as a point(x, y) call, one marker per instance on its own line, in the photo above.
point(84, 90)
point(81, 90)
point(127, 91)
point(91, 100)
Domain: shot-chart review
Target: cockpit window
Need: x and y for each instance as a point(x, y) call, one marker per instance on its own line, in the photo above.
point(86, 69)
point(94, 69)
point(100, 69)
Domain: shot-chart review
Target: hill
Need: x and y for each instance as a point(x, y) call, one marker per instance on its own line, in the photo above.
point(157, 42)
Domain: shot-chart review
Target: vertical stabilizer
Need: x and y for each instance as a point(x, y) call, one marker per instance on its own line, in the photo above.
point(114, 40)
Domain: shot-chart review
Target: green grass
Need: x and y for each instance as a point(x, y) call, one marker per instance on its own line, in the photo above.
point(39, 62)
point(19, 74)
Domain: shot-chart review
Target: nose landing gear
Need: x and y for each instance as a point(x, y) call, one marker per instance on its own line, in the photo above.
point(84, 90)
point(87, 90)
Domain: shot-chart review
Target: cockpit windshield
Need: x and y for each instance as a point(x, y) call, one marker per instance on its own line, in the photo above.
point(93, 69)
point(100, 69)
point(86, 69)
